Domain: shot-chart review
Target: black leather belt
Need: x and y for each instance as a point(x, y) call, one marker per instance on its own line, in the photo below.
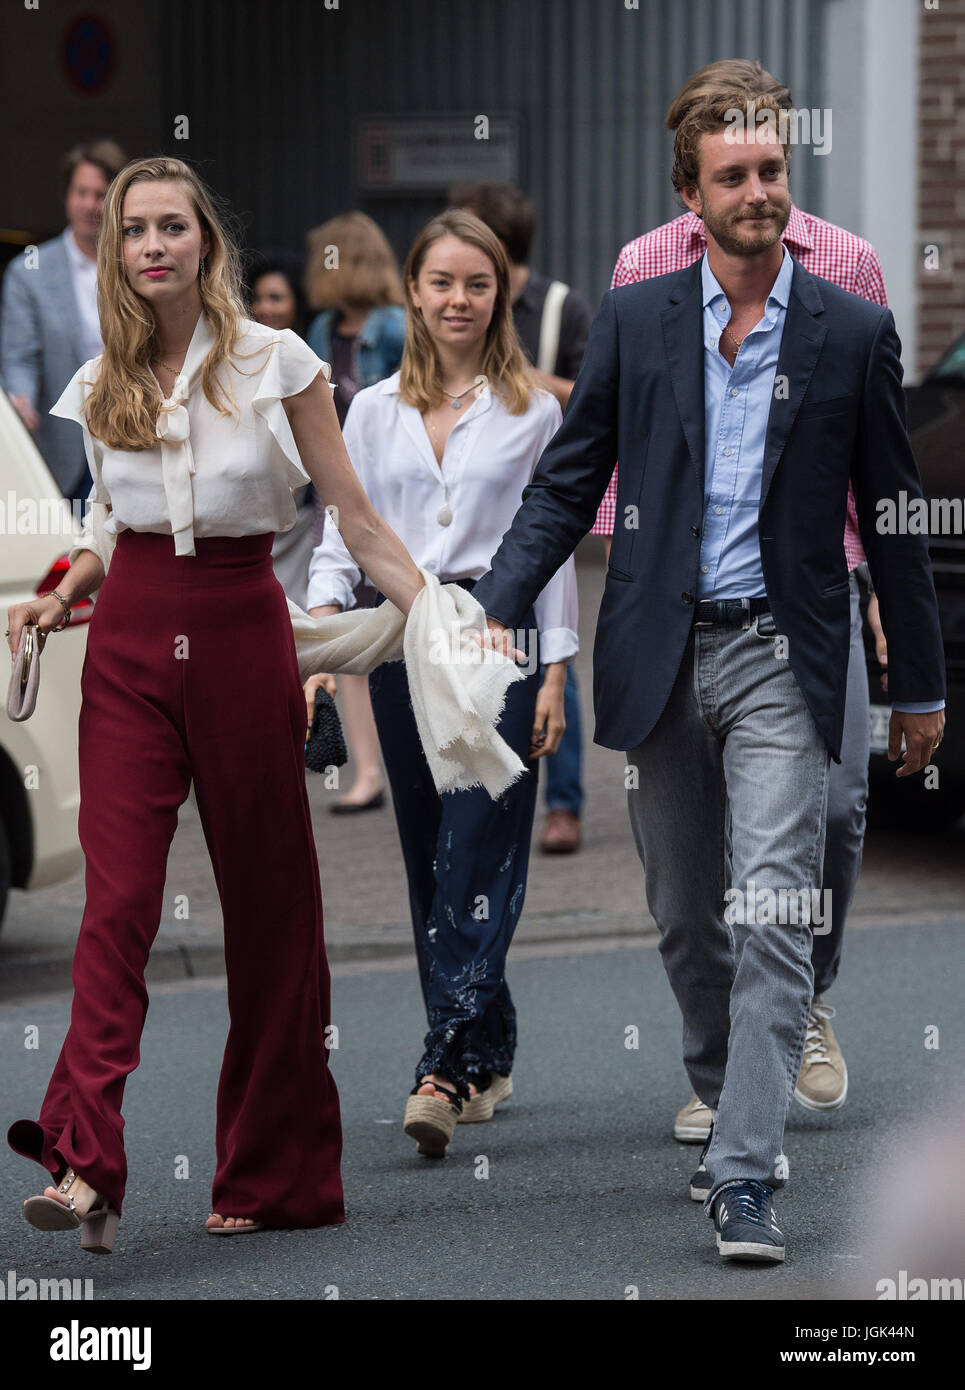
point(728, 612)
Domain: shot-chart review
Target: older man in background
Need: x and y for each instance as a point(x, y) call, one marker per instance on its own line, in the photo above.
point(49, 323)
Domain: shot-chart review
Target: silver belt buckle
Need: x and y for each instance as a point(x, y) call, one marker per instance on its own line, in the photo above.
point(698, 622)
point(746, 605)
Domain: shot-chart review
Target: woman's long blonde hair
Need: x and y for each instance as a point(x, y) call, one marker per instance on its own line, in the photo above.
point(122, 408)
point(420, 383)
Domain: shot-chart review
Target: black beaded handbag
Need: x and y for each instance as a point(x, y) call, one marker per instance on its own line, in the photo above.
point(325, 746)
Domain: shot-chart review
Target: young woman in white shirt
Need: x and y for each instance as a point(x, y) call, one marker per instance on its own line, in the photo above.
point(444, 449)
point(198, 423)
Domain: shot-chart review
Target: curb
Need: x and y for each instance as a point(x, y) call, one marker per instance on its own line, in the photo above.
point(50, 974)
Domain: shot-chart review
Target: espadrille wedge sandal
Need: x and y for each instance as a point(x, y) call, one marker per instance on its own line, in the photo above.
point(98, 1223)
point(431, 1121)
point(483, 1103)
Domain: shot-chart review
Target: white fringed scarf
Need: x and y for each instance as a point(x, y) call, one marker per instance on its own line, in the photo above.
point(458, 688)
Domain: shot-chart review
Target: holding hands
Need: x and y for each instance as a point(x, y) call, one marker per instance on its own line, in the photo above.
point(549, 723)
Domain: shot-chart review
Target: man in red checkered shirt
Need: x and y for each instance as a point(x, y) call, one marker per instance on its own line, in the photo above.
point(852, 263)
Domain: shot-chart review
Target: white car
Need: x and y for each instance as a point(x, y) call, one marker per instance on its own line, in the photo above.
point(39, 790)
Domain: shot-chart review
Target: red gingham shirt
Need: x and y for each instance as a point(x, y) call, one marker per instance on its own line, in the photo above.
point(823, 249)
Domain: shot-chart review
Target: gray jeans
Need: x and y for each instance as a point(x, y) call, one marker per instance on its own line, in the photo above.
point(736, 737)
point(847, 808)
point(847, 812)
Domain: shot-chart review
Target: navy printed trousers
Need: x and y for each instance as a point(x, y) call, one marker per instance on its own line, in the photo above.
point(466, 859)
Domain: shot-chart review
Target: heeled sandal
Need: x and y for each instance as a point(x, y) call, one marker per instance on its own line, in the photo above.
point(98, 1223)
point(480, 1107)
point(431, 1121)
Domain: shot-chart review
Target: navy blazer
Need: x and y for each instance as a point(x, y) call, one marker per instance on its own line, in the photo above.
point(838, 412)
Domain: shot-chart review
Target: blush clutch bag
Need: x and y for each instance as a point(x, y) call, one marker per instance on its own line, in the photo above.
point(25, 678)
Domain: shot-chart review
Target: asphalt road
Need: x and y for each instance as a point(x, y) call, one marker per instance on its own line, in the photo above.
point(575, 1190)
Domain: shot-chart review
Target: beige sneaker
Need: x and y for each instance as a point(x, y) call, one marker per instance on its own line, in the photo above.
point(692, 1125)
point(823, 1080)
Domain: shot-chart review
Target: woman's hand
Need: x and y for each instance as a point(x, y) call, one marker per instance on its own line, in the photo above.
point(881, 646)
point(321, 682)
point(47, 613)
point(549, 721)
point(84, 576)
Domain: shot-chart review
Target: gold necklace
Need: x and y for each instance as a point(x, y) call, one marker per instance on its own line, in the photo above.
point(734, 338)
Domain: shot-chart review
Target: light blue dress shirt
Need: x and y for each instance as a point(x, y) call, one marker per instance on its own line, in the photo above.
point(737, 403)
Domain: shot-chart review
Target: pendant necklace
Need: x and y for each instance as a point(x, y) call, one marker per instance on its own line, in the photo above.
point(444, 514)
point(456, 401)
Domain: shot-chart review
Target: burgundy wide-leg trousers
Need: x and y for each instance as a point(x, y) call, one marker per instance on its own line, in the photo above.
point(191, 674)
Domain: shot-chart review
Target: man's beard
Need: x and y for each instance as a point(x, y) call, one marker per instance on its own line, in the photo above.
point(726, 229)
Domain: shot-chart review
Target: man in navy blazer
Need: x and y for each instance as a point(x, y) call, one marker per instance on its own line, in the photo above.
point(740, 395)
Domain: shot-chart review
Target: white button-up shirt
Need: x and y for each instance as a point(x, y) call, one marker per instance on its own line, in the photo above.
point(451, 518)
point(83, 274)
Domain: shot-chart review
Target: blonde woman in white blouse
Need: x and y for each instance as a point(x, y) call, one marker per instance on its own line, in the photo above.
point(444, 449)
point(198, 423)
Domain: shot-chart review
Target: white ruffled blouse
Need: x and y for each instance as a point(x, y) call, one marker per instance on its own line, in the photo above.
point(232, 475)
point(209, 474)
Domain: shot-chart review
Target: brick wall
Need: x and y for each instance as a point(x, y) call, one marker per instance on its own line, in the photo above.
point(941, 178)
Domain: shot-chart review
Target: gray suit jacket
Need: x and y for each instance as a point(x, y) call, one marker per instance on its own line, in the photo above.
point(40, 350)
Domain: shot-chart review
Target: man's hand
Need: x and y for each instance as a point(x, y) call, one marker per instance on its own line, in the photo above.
point(881, 646)
point(500, 638)
point(922, 733)
point(25, 410)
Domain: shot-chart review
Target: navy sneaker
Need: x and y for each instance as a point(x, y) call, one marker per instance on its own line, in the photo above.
point(745, 1224)
point(700, 1183)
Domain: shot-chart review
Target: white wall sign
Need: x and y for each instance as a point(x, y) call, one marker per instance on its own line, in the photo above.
point(401, 156)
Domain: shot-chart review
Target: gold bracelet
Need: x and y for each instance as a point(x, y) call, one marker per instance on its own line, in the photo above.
point(64, 605)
